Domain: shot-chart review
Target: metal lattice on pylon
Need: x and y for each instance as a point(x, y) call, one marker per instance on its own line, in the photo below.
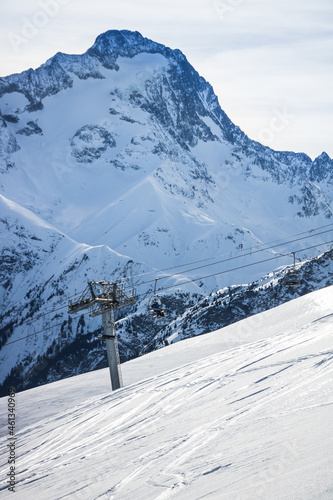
point(100, 296)
point(103, 297)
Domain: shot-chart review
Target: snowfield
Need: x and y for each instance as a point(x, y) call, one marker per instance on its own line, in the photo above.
point(238, 414)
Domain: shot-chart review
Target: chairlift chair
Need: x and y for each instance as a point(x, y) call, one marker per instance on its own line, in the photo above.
point(155, 305)
point(291, 281)
point(293, 278)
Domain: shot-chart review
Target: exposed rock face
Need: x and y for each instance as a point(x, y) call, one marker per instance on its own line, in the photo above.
point(90, 142)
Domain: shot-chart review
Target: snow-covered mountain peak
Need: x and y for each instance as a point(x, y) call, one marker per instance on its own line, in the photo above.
point(323, 157)
point(149, 122)
point(322, 168)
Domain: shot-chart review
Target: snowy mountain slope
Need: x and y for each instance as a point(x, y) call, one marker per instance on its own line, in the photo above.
point(232, 304)
point(151, 130)
point(130, 165)
point(71, 345)
point(149, 157)
point(210, 421)
point(40, 268)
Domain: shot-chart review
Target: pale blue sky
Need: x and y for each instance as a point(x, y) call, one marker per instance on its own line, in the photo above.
point(269, 61)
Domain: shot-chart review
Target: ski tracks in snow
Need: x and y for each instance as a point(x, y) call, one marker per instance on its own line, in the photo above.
point(276, 397)
point(164, 436)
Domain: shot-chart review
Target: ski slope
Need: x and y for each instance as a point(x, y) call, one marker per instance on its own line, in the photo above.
point(241, 413)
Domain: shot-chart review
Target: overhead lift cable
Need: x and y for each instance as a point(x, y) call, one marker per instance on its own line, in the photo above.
point(235, 268)
point(255, 249)
point(183, 284)
point(40, 331)
point(242, 255)
point(28, 320)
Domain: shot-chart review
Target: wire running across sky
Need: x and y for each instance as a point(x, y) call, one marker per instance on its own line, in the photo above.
point(245, 255)
point(178, 285)
point(240, 254)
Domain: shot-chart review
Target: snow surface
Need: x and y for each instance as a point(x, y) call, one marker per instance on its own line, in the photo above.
point(241, 413)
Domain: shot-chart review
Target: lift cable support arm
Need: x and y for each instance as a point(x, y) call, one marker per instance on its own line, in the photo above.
point(103, 297)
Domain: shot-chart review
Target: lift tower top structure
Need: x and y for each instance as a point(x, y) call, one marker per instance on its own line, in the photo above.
point(102, 298)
